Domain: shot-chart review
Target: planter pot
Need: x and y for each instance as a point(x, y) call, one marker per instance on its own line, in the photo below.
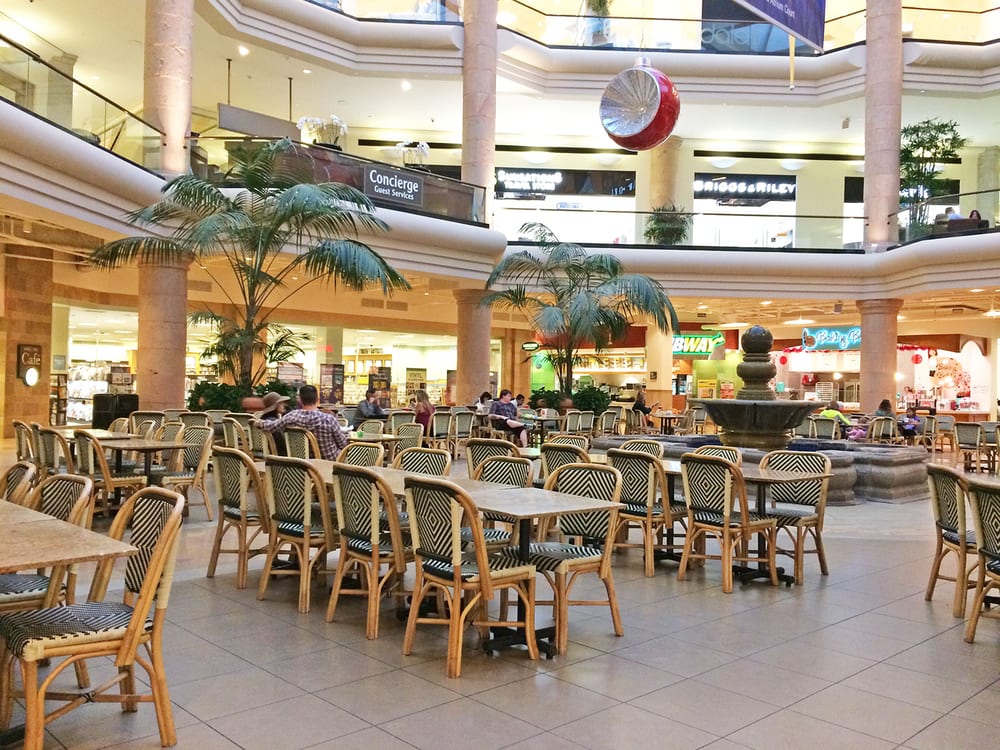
point(252, 404)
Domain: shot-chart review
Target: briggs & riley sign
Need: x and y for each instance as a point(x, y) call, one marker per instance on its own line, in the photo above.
point(394, 185)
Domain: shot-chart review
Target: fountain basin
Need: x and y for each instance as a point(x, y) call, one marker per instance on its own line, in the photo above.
point(766, 425)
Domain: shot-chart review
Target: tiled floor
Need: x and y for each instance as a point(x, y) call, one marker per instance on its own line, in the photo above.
point(856, 660)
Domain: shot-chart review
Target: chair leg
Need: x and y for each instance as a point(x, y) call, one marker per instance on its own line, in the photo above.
point(772, 553)
point(817, 535)
point(338, 580)
point(456, 619)
point(374, 597)
point(727, 543)
point(419, 591)
point(6, 685)
point(800, 553)
point(34, 707)
point(528, 593)
point(213, 558)
point(977, 604)
point(686, 554)
point(161, 694)
point(561, 606)
point(939, 553)
point(647, 550)
point(265, 576)
point(961, 584)
point(616, 617)
point(242, 554)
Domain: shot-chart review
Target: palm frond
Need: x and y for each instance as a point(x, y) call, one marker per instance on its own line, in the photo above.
point(353, 264)
point(127, 250)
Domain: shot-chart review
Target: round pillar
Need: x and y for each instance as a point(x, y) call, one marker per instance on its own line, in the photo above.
point(663, 172)
point(473, 356)
point(878, 351)
point(479, 98)
point(659, 366)
point(166, 101)
point(883, 118)
point(162, 334)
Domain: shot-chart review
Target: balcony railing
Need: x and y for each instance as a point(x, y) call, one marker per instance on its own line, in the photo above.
point(414, 190)
point(929, 218)
point(37, 87)
point(632, 26)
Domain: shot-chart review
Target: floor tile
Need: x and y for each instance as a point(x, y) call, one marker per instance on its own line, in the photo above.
point(788, 730)
point(704, 706)
point(326, 667)
point(610, 675)
point(812, 660)
point(955, 733)
point(387, 696)
point(544, 701)
point(230, 693)
point(930, 691)
point(455, 724)
point(868, 713)
point(366, 739)
point(763, 682)
point(298, 722)
point(201, 736)
point(626, 726)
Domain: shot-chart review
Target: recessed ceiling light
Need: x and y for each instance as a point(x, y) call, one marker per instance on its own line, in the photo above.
point(307, 71)
point(799, 322)
point(766, 302)
point(702, 306)
point(405, 85)
point(976, 291)
point(244, 51)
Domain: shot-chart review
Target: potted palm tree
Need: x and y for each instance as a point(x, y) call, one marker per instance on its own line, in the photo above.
point(270, 239)
point(575, 299)
point(667, 225)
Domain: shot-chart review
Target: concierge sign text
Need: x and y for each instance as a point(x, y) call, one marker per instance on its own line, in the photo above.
point(395, 185)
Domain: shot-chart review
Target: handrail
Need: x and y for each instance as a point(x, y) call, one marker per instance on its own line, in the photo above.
point(915, 219)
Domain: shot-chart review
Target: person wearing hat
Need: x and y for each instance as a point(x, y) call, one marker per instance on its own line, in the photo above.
point(274, 407)
point(325, 427)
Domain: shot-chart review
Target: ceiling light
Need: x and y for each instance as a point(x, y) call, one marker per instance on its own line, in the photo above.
point(837, 376)
point(734, 324)
point(307, 71)
point(766, 302)
point(799, 322)
point(976, 291)
point(405, 85)
point(722, 162)
point(792, 165)
point(536, 157)
point(702, 306)
point(244, 51)
point(991, 313)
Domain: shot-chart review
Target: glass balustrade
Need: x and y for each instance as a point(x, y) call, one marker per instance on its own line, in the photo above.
point(32, 84)
point(931, 217)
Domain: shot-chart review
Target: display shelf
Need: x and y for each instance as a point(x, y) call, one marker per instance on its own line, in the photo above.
point(58, 399)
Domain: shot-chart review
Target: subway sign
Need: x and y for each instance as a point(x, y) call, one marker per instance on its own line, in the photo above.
point(840, 338)
point(697, 344)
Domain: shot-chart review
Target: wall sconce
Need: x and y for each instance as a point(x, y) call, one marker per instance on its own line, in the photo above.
point(722, 162)
point(792, 165)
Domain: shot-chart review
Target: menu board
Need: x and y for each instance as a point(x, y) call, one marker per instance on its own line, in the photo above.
point(331, 383)
point(416, 379)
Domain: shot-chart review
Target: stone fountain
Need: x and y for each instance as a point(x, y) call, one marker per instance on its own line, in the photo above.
point(756, 418)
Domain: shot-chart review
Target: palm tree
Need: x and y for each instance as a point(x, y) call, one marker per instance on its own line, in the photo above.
point(575, 299)
point(275, 229)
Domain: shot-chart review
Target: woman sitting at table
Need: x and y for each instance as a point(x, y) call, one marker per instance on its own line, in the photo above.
point(503, 416)
point(885, 409)
point(832, 411)
point(909, 424)
point(423, 408)
point(640, 405)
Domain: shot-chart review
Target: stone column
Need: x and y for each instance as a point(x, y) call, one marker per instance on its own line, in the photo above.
point(663, 172)
point(330, 345)
point(988, 178)
point(659, 360)
point(883, 118)
point(878, 351)
point(59, 96)
point(473, 355)
point(162, 334)
point(479, 98)
point(166, 97)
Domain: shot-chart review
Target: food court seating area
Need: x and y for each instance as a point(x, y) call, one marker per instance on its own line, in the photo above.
point(859, 658)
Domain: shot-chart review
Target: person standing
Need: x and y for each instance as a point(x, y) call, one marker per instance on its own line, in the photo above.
point(503, 416)
point(325, 427)
point(424, 409)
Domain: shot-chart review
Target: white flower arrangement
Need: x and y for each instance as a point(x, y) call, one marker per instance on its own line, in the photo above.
point(413, 151)
point(329, 130)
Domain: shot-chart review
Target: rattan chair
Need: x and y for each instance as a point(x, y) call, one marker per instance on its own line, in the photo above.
point(54, 455)
point(242, 509)
point(727, 452)
point(566, 438)
point(295, 491)
point(971, 447)
point(24, 441)
point(102, 629)
point(462, 423)
point(882, 430)
point(465, 580)
point(439, 431)
point(478, 450)
point(825, 427)
point(370, 538)
point(167, 460)
point(572, 424)
point(119, 425)
point(984, 502)
point(193, 465)
point(928, 435)
point(199, 419)
point(647, 504)
point(714, 491)
point(948, 498)
point(561, 563)
point(362, 454)
point(68, 498)
point(138, 417)
point(585, 426)
point(945, 431)
point(800, 507)
point(554, 455)
point(261, 442)
point(410, 434)
point(217, 415)
point(107, 483)
point(16, 482)
point(432, 461)
point(372, 428)
point(646, 445)
point(398, 418)
point(606, 424)
point(301, 443)
point(173, 415)
point(233, 434)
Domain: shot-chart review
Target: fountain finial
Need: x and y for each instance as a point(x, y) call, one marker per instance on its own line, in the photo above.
point(756, 370)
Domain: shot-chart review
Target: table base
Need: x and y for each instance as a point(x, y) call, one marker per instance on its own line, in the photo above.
point(744, 574)
point(502, 638)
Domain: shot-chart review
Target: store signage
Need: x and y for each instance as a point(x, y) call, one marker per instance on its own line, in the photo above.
point(697, 343)
point(840, 338)
point(803, 19)
point(28, 356)
point(526, 183)
point(530, 346)
point(768, 187)
point(394, 185)
point(529, 180)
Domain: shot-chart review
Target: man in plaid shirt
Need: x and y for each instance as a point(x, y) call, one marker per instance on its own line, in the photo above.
point(326, 428)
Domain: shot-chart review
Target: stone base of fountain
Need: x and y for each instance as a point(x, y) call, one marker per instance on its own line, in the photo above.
point(767, 425)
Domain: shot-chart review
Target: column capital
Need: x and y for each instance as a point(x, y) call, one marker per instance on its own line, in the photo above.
point(879, 306)
point(469, 296)
point(178, 262)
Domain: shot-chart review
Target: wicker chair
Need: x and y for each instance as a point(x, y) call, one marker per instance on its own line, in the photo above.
point(99, 628)
point(585, 426)
point(398, 418)
point(800, 507)
point(410, 434)
point(372, 428)
point(712, 486)
point(726, 452)
point(652, 447)
point(432, 461)
point(984, 501)
point(198, 419)
point(882, 430)
point(826, 428)
point(439, 431)
point(94, 463)
point(362, 454)
point(945, 431)
point(54, 455)
point(466, 581)
point(555, 455)
point(971, 446)
point(606, 424)
point(295, 491)
point(24, 441)
point(301, 443)
point(119, 425)
point(138, 417)
point(566, 438)
point(370, 538)
point(16, 482)
point(462, 424)
point(261, 442)
point(194, 465)
point(173, 415)
point(233, 434)
point(948, 498)
point(646, 504)
point(242, 509)
point(478, 450)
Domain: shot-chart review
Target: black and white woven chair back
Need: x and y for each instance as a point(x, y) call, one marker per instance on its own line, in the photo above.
point(586, 480)
point(362, 454)
point(609, 420)
point(232, 477)
point(479, 449)
point(196, 419)
point(399, 418)
point(984, 500)
point(136, 418)
point(371, 427)
point(410, 435)
point(825, 427)
point(23, 441)
point(424, 461)
point(231, 432)
point(356, 493)
point(170, 431)
point(195, 438)
point(969, 434)
point(639, 476)
point(708, 483)
point(17, 481)
point(258, 443)
point(50, 450)
point(555, 455)
point(435, 520)
point(512, 471)
point(297, 442)
point(726, 452)
point(808, 491)
point(291, 490)
point(586, 422)
point(57, 495)
point(150, 515)
point(652, 447)
point(440, 426)
point(572, 420)
point(947, 497)
point(463, 423)
point(86, 461)
point(578, 441)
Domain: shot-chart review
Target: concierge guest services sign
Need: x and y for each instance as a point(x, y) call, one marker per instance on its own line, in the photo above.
point(395, 185)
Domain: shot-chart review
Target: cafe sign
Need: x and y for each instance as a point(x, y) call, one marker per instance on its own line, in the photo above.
point(695, 344)
point(29, 362)
point(394, 185)
point(840, 338)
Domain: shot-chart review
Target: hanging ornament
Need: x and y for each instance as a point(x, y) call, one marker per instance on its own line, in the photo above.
point(917, 359)
point(783, 359)
point(639, 108)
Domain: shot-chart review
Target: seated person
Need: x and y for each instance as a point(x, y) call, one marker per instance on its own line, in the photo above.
point(885, 409)
point(832, 411)
point(909, 424)
point(483, 405)
point(503, 416)
point(640, 404)
point(325, 427)
point(369, 408)
point(274, 407)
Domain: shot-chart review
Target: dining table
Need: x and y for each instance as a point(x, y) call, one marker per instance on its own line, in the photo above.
point(668, 420)
point(70, 432)
point(140, 445)
point(31, 540)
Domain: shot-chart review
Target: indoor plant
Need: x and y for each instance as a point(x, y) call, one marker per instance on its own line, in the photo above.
point(322, 131)
point(667, 225)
